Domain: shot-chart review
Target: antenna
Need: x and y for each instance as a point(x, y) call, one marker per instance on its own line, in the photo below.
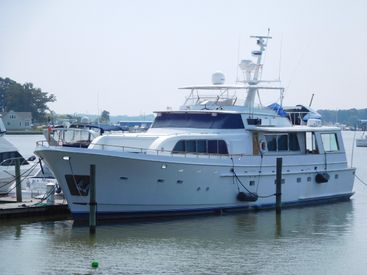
point(238, 56)
point(309, 105)
point(280, 56)
point(98, 114)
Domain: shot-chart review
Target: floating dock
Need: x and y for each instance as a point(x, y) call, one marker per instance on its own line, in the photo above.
point(10, 209)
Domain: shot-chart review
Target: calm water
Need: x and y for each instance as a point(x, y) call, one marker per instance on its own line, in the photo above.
point(328, 239)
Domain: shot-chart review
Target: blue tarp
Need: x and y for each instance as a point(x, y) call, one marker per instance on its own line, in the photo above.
point(278, 109)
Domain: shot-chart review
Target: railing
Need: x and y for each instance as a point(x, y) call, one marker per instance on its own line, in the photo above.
point(223, 98)
point(146, 151)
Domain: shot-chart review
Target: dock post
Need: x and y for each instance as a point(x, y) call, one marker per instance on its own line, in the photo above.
point(92, 200)
point(18, 182)
point(278, 182)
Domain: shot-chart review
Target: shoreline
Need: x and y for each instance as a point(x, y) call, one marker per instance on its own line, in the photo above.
point(34, 132)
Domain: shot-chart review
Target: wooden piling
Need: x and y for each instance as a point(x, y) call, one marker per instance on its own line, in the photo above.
point(18, 182)
point(92, 200)
point(278, 182)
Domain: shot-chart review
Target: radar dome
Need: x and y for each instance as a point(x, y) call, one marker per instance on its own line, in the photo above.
point(84, 120)
point(218, 78)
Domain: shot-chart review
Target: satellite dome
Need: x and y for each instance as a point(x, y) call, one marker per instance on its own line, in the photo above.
point(84, 120)
point(218, 78)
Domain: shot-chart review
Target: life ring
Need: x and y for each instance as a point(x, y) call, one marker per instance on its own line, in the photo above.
point(263, 145)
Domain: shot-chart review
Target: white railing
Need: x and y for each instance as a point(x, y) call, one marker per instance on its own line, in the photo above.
point(139, 150)
point(225, 97)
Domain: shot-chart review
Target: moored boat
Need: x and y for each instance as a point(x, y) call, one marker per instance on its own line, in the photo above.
point(216, 153)
point(362, 141)
point(9, 154)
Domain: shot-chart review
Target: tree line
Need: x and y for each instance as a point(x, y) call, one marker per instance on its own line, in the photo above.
point(24, 98)
point(349, 117)
point(27, 98)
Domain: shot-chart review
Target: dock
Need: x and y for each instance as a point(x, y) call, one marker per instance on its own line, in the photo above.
point(10, 209)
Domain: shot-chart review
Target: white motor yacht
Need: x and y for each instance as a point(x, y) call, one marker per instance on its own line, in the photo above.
point(216, 153)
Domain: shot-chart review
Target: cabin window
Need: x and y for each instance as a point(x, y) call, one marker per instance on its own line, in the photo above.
point(203, 121)
point(311, 145)
point(330, 142)
point(293, 142)
point(282, 142)
point(222, 147)
point(212, 146)
point(180, 147)
point(190, 146)
point(201, 146)
point(271, 141)
point(8, 158)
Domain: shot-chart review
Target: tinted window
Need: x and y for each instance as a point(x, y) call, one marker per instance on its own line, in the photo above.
point(179, 147)
point(201, 146)
point(222, 147)
point(8, 158)
point(205, 120)
point(283, 143)
point(212, 146)
point(190, 146)
point(271, 142)
point(293, 142)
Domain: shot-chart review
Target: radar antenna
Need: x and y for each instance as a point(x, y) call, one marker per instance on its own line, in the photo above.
point(252, 70)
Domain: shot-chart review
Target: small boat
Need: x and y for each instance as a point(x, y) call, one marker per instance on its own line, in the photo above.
point(9, 154)
point(216, 153)
point(79, 134)
point(362, 141)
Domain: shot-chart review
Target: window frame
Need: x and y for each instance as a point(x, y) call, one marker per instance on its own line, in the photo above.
point(212, 147)
point(322, 135)
point(269, 137)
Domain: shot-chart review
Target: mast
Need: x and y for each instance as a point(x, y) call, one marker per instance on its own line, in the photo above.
point(252, 70)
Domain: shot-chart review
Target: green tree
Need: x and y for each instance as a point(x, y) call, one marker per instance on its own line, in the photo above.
point(105, 116)
point(25, 98)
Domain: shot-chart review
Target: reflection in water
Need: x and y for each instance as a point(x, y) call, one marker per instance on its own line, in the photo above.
point(278, 225)
point(216, 244)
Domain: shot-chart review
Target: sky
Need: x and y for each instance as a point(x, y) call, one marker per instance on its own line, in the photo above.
point(129, 57)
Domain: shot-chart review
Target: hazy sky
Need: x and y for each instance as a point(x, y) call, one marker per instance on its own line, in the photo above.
point(129, 57)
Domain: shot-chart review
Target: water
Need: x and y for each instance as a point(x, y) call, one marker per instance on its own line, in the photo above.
point(326, 239)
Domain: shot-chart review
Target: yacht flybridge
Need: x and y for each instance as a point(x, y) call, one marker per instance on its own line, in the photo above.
point(216, 153)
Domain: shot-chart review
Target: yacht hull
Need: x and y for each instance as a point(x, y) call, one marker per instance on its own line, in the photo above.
point(131, 185)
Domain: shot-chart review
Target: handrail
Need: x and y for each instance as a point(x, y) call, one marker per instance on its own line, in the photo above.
point(146, 151)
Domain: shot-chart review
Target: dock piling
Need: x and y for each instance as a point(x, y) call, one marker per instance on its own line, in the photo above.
point(18, 182)
point(278, 182)
point(92, 200)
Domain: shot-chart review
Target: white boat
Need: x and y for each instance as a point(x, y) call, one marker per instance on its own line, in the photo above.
point(8, 156)
point(78, 135)
point(215, 153)
point(362, 141)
